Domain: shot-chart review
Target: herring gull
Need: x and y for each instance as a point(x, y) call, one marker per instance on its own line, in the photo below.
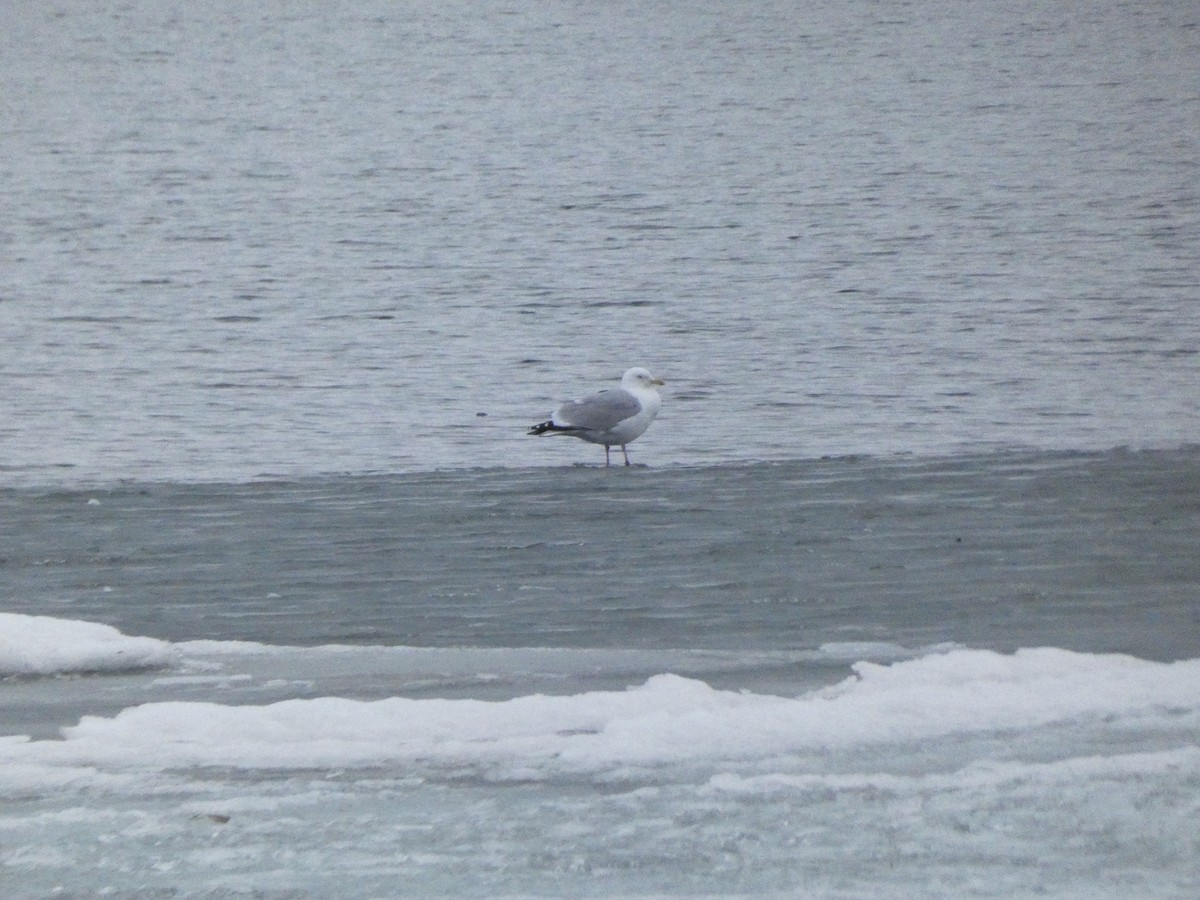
point(610, 418)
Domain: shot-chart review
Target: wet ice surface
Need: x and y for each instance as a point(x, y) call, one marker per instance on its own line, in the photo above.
point(834, 700)
point(954, 772)
point(1094, 552)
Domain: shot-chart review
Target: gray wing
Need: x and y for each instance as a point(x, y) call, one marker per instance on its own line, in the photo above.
point(598, 412)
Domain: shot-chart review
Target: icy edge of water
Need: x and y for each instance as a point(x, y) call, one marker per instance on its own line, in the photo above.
point(64, 479)
point(32, 646)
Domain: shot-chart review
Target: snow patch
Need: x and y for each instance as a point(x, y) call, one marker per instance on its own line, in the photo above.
point(43, 645)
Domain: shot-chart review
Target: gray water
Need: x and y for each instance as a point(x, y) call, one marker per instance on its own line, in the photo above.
point(242, 241)
point(281, 286)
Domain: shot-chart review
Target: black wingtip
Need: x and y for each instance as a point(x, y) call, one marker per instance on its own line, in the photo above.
point(551, 428)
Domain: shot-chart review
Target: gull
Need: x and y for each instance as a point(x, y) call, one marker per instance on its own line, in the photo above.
point(610, 418)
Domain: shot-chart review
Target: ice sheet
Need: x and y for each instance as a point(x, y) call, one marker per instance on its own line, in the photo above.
point(666, 721)
point(940, 771)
